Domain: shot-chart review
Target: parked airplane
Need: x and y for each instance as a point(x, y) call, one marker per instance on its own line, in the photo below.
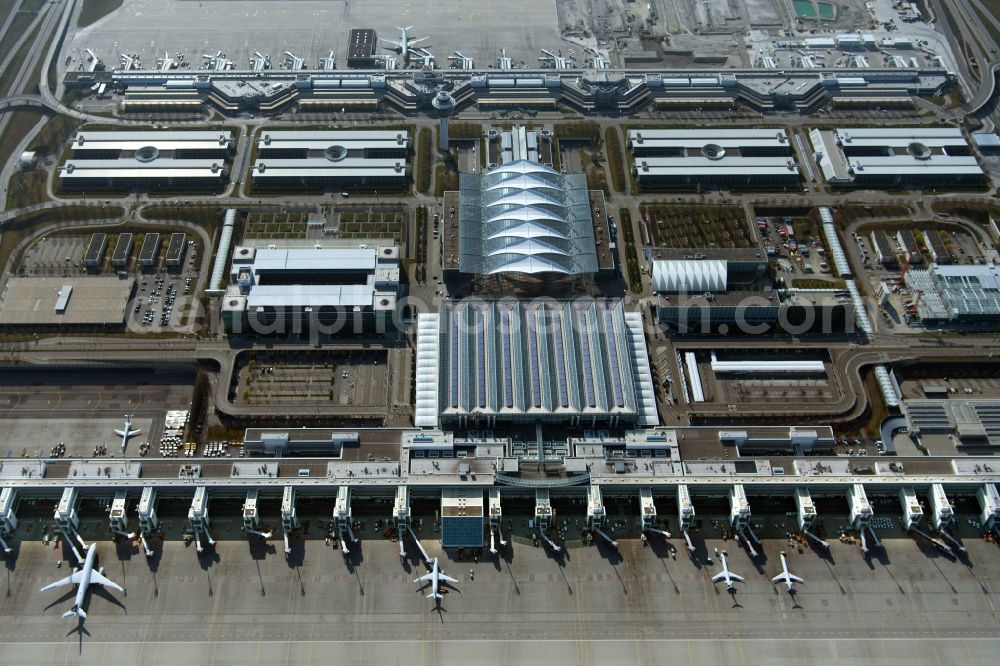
point(436, 576)
point(726, 574)
point(128, 433)
point(83, 578)
point(404, 44)
point(785, 576)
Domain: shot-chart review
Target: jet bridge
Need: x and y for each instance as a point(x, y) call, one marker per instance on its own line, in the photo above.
point(989, 502)
point(251, 516)
point(149, 524)
point(685, 514)
point(68, 520)
point(807, 514)
point(198, 517)
point(544, 516)
point(289, 516)
point(596, 515)
point(496, 520)
point(647, 512)
point(342, 518)
point(8, 520)
point(118, 517)
point(943, 515)
point(861, 515)
point(913, 514)
point(739, 517)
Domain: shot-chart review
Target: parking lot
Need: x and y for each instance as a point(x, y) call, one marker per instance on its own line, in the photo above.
point(327, 378)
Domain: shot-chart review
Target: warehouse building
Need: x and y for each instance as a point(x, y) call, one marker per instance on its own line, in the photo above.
point(713, 157)
point(276, 291)
point(955, 294)
point(334, 158)
point(58, 302)
point(147, 159)
point(895, 156)
point(884, 250)
point(575, 363)
point(525, 223)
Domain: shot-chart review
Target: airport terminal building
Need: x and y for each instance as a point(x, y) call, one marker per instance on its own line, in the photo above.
point(713, 158)
point(147, 159)
point(275, 291)
point(578, 363)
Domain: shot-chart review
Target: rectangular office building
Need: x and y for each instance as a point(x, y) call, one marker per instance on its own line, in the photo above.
point(713, 157)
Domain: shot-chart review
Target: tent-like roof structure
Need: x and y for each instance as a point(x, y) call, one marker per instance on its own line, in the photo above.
point(689, 275)
point(524, 217)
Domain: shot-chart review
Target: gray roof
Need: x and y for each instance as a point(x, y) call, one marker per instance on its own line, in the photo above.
point(524, 217)
point(323, 139)
point(583, 357)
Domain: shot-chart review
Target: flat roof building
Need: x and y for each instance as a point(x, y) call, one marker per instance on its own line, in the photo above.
point(580, 363)
point(93, 257)
point(141, 159)
point(350, 290)
point(175, 249)
point(150, 250)
point(351, 158)
point(361, 49)
point(895, 156)
point(519, 143)
point(884, 250)
point(956, 293)
point(123, 250)
point(462, 517)
point(51, 302)
point(908, 244)
point(936, 248)
point(725, 157)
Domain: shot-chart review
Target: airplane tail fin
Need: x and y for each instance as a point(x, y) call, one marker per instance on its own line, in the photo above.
point(76, 611)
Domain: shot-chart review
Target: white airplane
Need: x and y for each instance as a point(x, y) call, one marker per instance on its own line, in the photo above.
point(435, 577)
point(786, 576)
point(726, 574)
point(404, 44)
point(83, 578)
point(128, 433)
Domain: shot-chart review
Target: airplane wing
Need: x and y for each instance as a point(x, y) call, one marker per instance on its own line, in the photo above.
point(719, 576)
point(97, 578)
point(780, 578)
point(73, 579)
point(393, 42)
point(795, 578)
point(735, 577)
point(424, 578)
point(120, 433)
point(447, 578)
point(417, 41)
